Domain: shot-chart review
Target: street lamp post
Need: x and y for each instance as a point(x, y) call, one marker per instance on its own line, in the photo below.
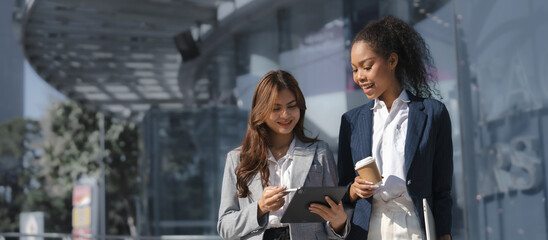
point(102, 185)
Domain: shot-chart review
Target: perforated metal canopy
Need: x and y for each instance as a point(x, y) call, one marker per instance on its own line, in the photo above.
point(114, 55)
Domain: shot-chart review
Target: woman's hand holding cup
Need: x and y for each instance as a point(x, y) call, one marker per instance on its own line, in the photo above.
point(365, 184)
point(362, 188)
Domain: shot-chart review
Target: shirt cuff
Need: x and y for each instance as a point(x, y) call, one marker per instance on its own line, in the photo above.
point(263, 221)
point(345, 232)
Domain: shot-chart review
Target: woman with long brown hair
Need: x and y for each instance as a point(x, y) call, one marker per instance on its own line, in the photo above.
point(276, 155)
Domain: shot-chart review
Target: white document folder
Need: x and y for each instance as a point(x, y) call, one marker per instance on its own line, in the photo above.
point(429, 224)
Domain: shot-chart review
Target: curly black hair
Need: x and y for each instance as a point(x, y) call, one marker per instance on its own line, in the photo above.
point(392, 35)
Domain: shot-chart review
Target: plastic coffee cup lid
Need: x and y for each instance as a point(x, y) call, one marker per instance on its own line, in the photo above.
point(364, 162)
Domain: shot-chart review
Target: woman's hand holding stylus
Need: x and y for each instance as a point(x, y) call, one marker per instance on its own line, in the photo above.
point(361, 189)
point(271, 200)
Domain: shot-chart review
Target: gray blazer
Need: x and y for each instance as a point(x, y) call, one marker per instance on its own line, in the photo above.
point(313, 166)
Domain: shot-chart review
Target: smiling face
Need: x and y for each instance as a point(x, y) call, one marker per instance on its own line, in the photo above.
point(373, 73)
point(285, 113)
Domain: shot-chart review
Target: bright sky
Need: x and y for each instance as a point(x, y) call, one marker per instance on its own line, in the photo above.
point(39, 95)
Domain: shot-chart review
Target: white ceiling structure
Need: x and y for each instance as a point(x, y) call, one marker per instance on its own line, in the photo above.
point(117, 56)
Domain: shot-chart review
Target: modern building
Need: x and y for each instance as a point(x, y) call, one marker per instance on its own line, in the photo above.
point(11, 91)
point(11, 67)
point(22, 95)
point(185, 152)
point(120, 58)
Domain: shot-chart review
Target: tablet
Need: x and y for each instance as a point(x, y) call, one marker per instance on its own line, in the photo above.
point(429, 222)
point(297, 210)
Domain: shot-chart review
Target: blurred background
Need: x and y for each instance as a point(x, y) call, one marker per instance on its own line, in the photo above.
point(116, 115)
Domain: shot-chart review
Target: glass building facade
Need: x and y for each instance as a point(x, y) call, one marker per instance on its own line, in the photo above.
point(11, 68)
point(184, 166)
point(502, 91)
point(492, 76)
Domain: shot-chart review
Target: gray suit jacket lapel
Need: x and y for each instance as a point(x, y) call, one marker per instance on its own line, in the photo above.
point(302, 160)
point(415, 129)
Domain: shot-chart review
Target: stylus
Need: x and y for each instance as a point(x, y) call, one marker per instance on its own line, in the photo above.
point(290, 190)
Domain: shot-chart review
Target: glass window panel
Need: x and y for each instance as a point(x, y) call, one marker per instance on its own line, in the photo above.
point(502, 84)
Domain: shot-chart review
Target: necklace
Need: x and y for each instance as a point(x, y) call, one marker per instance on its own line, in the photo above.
point(279, 152)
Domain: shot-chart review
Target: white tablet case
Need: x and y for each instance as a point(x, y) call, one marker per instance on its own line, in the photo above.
point(429, 223)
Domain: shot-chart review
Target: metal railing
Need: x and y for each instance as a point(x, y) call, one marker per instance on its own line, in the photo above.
point(64, 236)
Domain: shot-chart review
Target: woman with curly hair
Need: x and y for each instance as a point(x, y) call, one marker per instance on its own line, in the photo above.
point(276, 155)
point(406, 131)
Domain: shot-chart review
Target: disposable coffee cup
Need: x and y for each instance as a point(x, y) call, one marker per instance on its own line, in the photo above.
point(368, 170)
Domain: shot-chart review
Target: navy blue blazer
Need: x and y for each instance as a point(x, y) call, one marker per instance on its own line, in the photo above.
point(428, 160)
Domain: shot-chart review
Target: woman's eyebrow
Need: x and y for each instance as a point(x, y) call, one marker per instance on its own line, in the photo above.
point(365, 60)
point(292, 101)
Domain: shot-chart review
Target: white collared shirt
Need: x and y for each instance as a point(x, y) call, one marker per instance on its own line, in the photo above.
point(280, 175)
point(389, 134)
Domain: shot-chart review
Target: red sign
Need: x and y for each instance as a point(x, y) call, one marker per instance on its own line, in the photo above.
point(81, 196)
point(81, 231)
point(81, 212)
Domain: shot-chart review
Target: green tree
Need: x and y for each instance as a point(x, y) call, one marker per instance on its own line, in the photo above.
point(16, 170)
point(69, 149)
point(72, 148)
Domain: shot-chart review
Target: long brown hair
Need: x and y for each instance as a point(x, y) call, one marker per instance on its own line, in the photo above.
point(254, 150)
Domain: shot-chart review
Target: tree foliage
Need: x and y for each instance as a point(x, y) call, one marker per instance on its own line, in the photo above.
point(16, 171)
point(69, 149)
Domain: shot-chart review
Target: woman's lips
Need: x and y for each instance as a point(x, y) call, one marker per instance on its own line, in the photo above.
point(285, 124)
point(367, 86)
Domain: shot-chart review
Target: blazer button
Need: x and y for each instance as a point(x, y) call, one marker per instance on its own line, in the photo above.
point(409, 182)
